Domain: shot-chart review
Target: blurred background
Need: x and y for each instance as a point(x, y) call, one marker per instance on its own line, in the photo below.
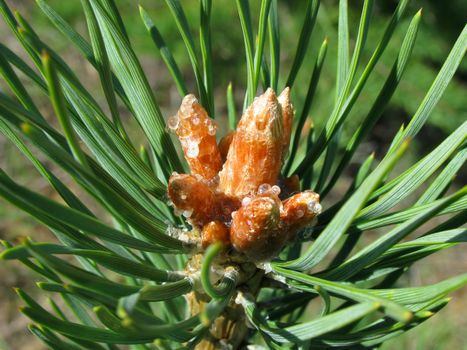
point(442, 23)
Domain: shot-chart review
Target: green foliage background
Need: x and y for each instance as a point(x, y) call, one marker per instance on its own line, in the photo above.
point(441, 25)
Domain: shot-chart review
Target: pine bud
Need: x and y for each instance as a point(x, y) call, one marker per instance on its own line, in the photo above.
point(299, 211)
point(254, 229)
point(214, 231)
point(197, 134)
point(241, 205)
point(287, 117)
point(255, 155)
point(192, 197)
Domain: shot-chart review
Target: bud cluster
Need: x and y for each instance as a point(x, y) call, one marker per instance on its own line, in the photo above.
point(234, 193)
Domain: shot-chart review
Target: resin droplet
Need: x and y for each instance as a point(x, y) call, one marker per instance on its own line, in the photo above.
point(314, 207)
point(188, 106)
point(264, 188)
point(192, 149)
point(196, 132)
point(246, 201)
point(173, 122)
point(212, 129)
point(275, 190)
point(187, 213)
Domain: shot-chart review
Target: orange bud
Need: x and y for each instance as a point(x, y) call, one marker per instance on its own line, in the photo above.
point(225, 206)
point(197, 134)
point(287, 117)
point(254, 230)
point(224, 145)
point(255, 155)
point(214, 231)
point(245, 194)
point(192, 197)
point(299, 211)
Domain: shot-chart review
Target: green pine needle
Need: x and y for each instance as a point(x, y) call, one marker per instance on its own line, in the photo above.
point(126, 270)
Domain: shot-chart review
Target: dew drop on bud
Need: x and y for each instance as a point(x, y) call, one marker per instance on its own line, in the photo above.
point(173, 122)
point(314, 207)
point(311, 206)
point(299, 213)
point(276, 190)
point(246, 201)
point(264, 188)
point(187, 213)
point(195, 121)
point(186, 107)
point(192, 149)
point(183, 196)
point(318, 208)
point(211, 129)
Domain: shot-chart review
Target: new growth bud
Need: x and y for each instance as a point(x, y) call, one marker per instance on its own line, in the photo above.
point(254, 229)
point(240, 205)
point(197, 134)
point(255, 155)
point(191, 195)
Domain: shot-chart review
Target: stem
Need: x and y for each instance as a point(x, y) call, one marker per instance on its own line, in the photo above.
point(229, 328)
